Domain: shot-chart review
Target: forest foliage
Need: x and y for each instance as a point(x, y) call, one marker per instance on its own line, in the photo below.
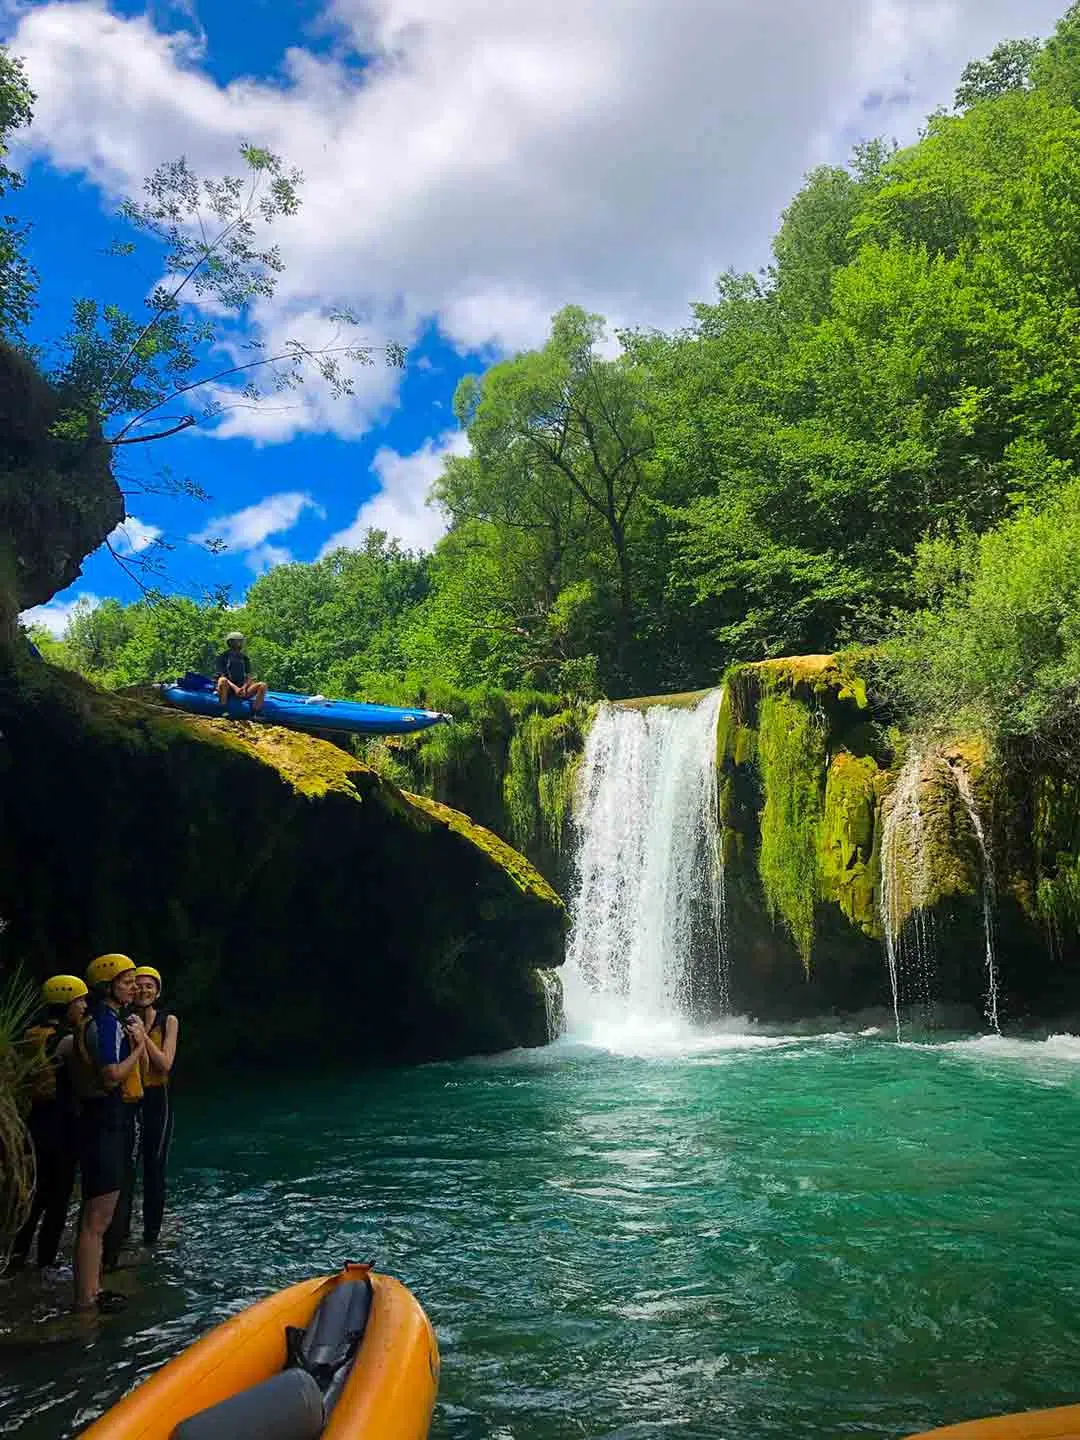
point(873, 440)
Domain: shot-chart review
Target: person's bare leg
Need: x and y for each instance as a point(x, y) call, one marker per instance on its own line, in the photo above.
point(93, 1222)
point(222, 688)
point(257, 691)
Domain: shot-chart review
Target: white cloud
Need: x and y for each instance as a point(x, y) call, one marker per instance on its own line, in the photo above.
point(248, 529)
point(133, 536)
point(499, 160)
point(266, 557)
point(400, 507)
point(55, 616)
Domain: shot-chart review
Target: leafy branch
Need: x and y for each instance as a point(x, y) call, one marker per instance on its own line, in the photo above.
point(125, 370)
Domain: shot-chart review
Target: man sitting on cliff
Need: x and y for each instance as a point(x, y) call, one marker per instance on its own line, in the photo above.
point(234, 675)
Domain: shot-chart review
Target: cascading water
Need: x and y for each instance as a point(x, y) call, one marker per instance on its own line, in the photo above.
point(963, 785)
point(906, 921)
point(649, 899)
point(551, 984)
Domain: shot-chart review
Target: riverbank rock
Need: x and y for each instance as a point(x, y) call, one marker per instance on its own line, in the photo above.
point(304, 909)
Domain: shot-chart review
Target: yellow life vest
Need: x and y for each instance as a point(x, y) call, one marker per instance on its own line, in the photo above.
point(131, 1087)
point(39, 1044)
point(153, 1079)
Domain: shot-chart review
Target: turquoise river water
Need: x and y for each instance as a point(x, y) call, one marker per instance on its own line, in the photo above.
point(743, 1235)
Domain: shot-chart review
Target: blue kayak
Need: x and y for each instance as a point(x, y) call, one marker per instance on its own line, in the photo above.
point(302, 712)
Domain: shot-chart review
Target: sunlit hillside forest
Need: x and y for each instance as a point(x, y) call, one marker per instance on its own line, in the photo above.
point(872, 443)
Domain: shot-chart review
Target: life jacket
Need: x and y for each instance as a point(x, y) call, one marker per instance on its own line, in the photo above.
point(153, 1079)
point(39, 1043)
point(86, 1074)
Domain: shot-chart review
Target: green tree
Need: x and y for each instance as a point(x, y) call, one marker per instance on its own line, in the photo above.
point(997, 646)
point(815, 237)
point(1056, 70)
point(334, 624)
point(17, 280)
point(1008, 67)
point(560, 448)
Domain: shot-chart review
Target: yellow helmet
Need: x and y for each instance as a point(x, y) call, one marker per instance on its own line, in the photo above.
point(141, 970)
point(107, 967)
point(62, 990)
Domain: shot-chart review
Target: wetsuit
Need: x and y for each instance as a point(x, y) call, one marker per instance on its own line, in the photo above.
point(235, 666)
point(100, 1040)
point(157, 1128)
point(51, 1124)
point(131, 1093)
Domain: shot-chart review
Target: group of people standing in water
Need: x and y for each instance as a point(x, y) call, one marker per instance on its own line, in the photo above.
point(103, 1050)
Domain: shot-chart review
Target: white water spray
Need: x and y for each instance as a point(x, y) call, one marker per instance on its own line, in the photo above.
point(963, 785)
point(650, 892)
point(909, 943)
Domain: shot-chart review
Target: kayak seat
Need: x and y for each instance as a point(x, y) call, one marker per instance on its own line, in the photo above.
point(328, 1346)
point(288, 1406)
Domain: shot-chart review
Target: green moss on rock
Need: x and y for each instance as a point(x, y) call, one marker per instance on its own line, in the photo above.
point(510, 760)
point(791, 756)
point(540, 779)
point(849, 842)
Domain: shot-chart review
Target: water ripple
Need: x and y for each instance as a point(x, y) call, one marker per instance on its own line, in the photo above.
point(824, 1235)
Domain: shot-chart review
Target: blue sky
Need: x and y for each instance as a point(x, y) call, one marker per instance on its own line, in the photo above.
point(469, 168)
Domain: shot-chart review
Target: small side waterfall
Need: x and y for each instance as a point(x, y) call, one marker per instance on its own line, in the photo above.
point(649, 899)
point(906, 898)
point(551, 984)
point(963, 785)
point(907, 923)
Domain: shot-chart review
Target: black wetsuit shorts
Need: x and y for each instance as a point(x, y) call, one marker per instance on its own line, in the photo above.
point(101, 1146)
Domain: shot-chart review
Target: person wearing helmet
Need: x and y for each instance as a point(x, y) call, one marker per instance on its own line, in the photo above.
point(51, 1122)
point(162, 1031)
point(105, 1060)
point(234, 674)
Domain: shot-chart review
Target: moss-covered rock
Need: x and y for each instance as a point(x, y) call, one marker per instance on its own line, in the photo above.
point(510, 760)
point(819, 816)
point(58, 497)
point(287, 890)
point(849, 844)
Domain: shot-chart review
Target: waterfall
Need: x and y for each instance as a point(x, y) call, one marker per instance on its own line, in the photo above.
point(648, 903)
point(906, 914)
point(551, 985)
point(907, 923)
point(963, 785)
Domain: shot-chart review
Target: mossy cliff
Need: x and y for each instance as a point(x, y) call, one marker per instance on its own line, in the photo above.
point(805, 769)
point(510, 760)
point(831, 821)
point(304, 909)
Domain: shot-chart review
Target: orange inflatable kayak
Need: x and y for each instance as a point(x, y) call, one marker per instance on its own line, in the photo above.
point(1063, 1424)
point(339, 1357)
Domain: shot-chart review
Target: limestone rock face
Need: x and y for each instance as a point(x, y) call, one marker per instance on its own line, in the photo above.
point(304, 910)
